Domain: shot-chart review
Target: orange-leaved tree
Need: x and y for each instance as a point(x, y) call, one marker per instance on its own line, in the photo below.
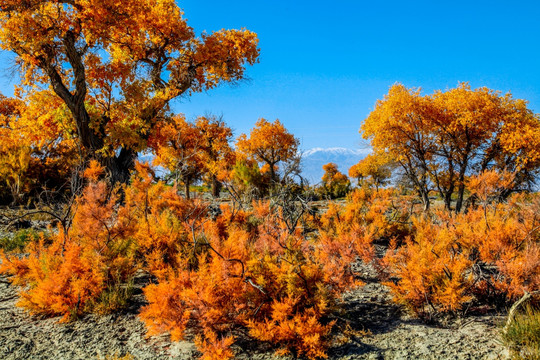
point(440, 139)
point(334, 184)
point(178, 148)
point(375, 168)
point(398, 127)
point(216, 153)
point(270, 144)
point(117, 65)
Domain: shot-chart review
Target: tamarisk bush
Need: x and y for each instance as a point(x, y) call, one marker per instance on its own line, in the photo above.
point(253, 272)
point(450, 261)
point(68, 273)
point(257, 272)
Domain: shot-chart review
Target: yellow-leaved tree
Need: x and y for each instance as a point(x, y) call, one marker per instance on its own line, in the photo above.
point(440, 139)
point(268, 144)
point(116, 65)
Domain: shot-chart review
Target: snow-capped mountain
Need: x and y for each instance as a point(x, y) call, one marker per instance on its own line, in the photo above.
point(314, 159)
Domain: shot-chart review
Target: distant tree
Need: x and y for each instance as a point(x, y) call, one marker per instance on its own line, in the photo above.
point(269, 144)
point(375, 168)
point(177, 146)
point(247, 178)
point(216, 154)
point(116, 65)
point(335, 184)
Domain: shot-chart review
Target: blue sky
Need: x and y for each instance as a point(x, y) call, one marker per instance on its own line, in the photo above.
point(324, 64)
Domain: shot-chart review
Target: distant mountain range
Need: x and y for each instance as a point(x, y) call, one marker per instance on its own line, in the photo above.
point(314, 159)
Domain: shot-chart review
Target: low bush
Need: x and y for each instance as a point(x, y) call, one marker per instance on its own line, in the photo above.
point(484, 256)
point(18, 240)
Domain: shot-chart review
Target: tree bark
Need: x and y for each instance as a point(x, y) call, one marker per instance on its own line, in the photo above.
point(216, 186)
point(119, 167)
point(425, 200)
point(186, 188)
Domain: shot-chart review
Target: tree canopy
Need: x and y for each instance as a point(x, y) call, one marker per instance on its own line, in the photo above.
point(441, 139)
point(117, 64)
point(268, 143)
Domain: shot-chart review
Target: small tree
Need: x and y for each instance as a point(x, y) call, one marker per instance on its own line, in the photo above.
point(177, 145)
point(376, 168)
point(217, 156)
point(335, 184)
point(269, 144)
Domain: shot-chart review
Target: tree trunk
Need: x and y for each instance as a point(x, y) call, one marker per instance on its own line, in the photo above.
point(459, 202)
point(91, 140)
point(216, 186)
point(119, 167)
point(448, 201)
point(461, 187)
point(273, 173)
point(426, 201)
point(186, 188)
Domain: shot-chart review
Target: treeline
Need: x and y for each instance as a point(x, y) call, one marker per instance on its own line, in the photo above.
point(40, 153)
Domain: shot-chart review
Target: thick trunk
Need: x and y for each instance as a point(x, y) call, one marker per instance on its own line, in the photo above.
point(425, 200)
point(273, 173)
point(448, 201)
point(119, 167)
point(461, 192)
point(461, 187)
point(464, 164)
point(216, 186)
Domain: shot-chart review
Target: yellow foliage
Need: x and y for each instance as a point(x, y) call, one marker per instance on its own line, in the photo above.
point(268, 143)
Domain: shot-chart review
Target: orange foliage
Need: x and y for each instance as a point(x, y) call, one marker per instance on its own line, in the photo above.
point(453, 260)
point(177, 145)
point(246, 270)
point(216, 152)
point(36, 145)
point(373, 214)
point(191, 150)
point(489, 184)
point(377, 168)
point(268, 143)
point(278, 284)
point(334, 183)
point(117, 65)
point(440, 139)
point(68, 276)
point(431, 268)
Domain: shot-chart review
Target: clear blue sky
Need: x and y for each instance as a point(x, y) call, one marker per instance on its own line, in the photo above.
point(323, 65)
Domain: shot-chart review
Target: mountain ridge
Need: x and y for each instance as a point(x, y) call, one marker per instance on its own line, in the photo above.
point(314, 159)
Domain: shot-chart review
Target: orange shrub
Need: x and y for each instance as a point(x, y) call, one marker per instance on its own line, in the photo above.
point(451, 260)
point(68, 276)
point(368, 215)
point(253, 272)
point(431, 268)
